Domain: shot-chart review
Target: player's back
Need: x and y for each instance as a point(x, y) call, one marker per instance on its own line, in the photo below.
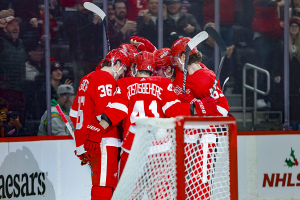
point(147, 97)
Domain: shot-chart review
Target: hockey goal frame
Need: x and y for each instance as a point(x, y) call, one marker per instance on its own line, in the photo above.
point(232, 137)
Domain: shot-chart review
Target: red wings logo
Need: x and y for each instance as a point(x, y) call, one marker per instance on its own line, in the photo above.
point(84, 85)
point(170, 87)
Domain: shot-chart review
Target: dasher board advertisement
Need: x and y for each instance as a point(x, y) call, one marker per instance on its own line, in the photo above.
point(268, 167)
point(42, 170)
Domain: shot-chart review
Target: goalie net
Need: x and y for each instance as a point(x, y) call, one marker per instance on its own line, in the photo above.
point(183, 158)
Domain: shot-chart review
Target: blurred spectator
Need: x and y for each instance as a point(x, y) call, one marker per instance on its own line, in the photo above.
point(267, 40)
point(56, 76)
point(28, 11)
point(34, 65)
point(85, 32)
point(136, 8)
point(110, 11)
point(120, 29)
point(65, 99)
point(294, 70)
point(295, 8)
point(184, 24)
point(207, 49)
point(196, 9)
point(148, 23)
point(55, 80)
point(227, 9)
point(12, 66)
point(10, 125)
point(52, 22)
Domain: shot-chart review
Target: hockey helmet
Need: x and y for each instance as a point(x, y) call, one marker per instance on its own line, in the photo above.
point(179, 46)
point(118, 54)
point(145, 61)
point(131, 50)
point(162, 57)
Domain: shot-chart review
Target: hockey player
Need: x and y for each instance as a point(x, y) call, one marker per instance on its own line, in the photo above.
point(95, 92)
point(199, 85)
point(200, 80)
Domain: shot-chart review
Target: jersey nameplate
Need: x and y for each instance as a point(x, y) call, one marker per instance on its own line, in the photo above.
point(144, 88)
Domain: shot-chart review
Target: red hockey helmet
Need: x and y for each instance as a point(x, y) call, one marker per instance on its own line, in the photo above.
point(162, 57)
point(179, 46)
point(145, 61)
point(118, 54)
point(131, 50)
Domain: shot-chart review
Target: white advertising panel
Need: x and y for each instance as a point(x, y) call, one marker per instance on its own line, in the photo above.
point(278, 169)
point(268, 167)
point(42, 170)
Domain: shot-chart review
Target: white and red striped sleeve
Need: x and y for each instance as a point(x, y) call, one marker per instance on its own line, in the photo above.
point(80, 113)
point(117, 109)
point(171, 105)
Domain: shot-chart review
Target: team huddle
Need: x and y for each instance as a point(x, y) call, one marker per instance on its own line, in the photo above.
point(136, 81)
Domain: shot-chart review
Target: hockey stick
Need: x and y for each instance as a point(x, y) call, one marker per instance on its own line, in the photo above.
point(200, 37)
point(95, 9)
point(225, 83)
point(217, 38)
point(67, 123)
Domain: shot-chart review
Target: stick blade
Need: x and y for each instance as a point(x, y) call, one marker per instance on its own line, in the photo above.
point(95, 9)
point(217, 38)
point(200, 37)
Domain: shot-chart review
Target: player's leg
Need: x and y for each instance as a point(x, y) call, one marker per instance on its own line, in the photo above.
point(104, 168)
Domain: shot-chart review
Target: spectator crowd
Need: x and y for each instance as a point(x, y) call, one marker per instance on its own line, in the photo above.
point(251, 29)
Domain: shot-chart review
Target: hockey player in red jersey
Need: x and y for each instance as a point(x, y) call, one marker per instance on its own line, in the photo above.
point(199, 80)
point(199, 84)
point(95, 92)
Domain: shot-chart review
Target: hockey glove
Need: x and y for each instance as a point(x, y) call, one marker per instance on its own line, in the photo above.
point(206, 106)
point(93, 138)
point(146, 44)
point(186, 98)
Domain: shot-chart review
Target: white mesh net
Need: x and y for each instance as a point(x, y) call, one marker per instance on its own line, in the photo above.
point(150, 172)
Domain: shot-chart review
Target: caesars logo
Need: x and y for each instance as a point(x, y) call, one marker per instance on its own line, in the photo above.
point(22, 184)
point(274, 179)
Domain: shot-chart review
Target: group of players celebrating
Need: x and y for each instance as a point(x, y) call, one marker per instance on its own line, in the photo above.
point(106, 100)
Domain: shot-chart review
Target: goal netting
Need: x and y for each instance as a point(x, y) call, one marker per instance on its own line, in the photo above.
point(191, 155)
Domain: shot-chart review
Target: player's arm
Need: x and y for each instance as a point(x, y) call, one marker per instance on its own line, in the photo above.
point(115, 111)
point(207, 106)
point(80, 114)
point(171, 105)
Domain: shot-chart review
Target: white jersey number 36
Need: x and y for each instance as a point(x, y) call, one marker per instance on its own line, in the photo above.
point(139, 110)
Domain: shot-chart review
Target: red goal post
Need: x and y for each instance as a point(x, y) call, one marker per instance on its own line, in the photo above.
point(182, 158)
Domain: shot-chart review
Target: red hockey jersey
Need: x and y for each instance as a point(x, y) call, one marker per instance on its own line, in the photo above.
point(94, 93)
point(199, 85)
point(142, 97)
